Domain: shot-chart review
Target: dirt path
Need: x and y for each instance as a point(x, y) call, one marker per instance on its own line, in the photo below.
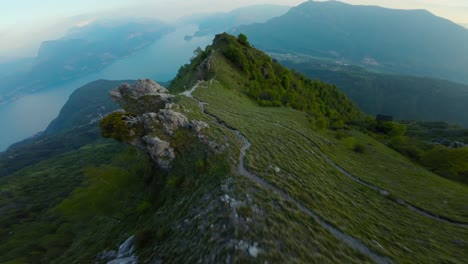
point(382, 192)
point(347, 239)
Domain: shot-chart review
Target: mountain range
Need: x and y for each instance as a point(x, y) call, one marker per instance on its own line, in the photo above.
point(410, 42)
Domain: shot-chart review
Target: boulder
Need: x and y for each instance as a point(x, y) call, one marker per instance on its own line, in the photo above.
point(160, 151)
point(126, 249)
point(140, 97)
point(172, 120)
point(129, 260)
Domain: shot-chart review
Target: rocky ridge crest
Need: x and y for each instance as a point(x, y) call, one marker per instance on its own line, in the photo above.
point(152, 117)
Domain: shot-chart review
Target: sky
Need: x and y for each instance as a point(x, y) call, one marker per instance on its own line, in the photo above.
point(24, 24)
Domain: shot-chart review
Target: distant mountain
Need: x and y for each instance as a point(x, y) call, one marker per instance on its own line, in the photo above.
point(83, 50)
point(413, 42)
point(403, 97)
point(210, 24)
point(11, 65)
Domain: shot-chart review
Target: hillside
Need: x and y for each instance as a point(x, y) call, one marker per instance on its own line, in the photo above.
point(75, 126)
point(410, 42)
point(236, 165)
point(403, 97)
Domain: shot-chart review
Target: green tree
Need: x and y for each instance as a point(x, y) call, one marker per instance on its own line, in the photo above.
point(243, 40)
point(452, 163)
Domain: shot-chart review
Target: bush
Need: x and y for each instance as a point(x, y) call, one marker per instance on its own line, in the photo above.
point(143, 238)
point(143, 207)
point(243, 40)
point(408, 147)
point(354, 145)
point(340, 134)
point(113, 126)
point(359, 148)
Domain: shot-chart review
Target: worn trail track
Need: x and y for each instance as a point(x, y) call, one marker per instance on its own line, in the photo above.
point(381, 191)
point(242, 169)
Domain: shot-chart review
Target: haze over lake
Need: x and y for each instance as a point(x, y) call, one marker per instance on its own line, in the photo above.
point(160, 61)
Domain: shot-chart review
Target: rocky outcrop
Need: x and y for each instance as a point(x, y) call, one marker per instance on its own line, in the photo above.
point(142, 88)
point(151, 119)
point(172, 120)
point(123, 256)
point(142, 96)
point(448, 143)
point(159, 150)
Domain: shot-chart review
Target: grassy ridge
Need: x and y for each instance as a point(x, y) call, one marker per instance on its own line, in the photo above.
point(383, 225)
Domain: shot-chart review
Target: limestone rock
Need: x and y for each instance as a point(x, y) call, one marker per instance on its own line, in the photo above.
point(198, 126)
point(152, 119)
point(172, 120)
point(107, 255)
point(160, 151)
point(131, 98)
point(129, 260)
point(140, 89)
point(126, 248)
point(124, 254)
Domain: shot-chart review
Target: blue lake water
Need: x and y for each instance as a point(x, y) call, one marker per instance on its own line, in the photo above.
point(160, 61)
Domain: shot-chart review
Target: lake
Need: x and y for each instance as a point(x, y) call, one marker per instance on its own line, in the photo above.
point(160, 62)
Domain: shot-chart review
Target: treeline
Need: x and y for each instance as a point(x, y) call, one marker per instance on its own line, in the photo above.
point(404, 97)
point(271, 84)
point(437, 146)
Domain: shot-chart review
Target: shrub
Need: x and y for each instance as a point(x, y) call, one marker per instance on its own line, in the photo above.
point(113, 126)
point(243, 40)
point(143, 238)
point(143, 207)
point(359, 148)
point(340, 134)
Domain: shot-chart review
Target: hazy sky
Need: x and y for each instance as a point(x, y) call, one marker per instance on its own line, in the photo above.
point(25, 23)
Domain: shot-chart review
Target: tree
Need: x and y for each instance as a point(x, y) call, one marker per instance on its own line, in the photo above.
point(243, 40)
point(447, 162)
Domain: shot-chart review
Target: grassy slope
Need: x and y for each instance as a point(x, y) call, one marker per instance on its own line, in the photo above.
point(28, 228)
point(389, 170)
point(183, 216)
point(383, 225)
point(189, 221)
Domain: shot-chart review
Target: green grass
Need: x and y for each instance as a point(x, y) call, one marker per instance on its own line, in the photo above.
point(386, 227)
point(69, 208)
point(389, 170)
point(28, 227)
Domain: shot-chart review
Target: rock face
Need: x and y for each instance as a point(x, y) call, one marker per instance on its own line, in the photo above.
point(123, 256)
point(140, 89)
point(152, 118)
point(144, 95)
point(159, 150)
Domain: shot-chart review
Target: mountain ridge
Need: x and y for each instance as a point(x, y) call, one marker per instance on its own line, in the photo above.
point(248, 180)
point(394, 40)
